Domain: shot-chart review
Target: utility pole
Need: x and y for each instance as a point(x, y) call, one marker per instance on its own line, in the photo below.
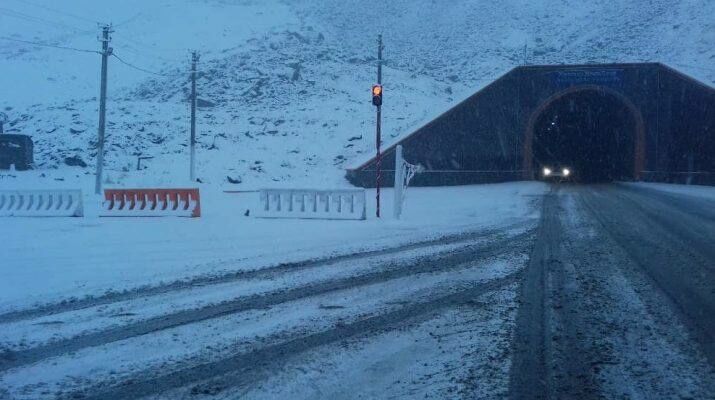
point(106, 52)
point(379, 125)
point(194, 61)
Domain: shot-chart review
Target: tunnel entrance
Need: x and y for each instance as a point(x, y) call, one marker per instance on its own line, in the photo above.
point(595, 133)
point(640, 121)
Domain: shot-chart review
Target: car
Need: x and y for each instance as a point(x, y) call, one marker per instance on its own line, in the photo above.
point(559, 173)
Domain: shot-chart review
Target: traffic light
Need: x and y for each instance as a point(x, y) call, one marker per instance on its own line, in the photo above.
point(377, 95)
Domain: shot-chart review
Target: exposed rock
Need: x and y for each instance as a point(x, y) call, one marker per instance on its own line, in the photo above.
point(75, 161)
point(234, 181)
point(201, 103)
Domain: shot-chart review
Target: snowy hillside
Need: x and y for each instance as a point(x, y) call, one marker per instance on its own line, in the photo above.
point(284, 84)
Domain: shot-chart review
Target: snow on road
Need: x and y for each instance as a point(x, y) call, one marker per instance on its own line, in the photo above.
point(202, 342)
point(194, 331)
point(643, 352)
point(462, 353)
point(21, 334)
point(617, 297)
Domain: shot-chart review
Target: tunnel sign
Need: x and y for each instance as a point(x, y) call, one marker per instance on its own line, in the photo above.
point(604, 77)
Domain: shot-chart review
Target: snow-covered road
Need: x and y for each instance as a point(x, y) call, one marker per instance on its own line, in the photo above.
point(584, 292)
point(255, 320)
point(618, 297)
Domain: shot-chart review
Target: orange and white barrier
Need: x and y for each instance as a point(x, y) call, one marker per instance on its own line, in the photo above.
point(312, 204)
point(151, 203)
point(41, 203)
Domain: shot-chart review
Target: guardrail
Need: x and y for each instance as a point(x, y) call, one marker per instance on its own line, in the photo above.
point(312, 204)
point(151, 203)
point(41, 203)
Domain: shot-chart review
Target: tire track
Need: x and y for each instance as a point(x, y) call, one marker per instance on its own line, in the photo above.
point(695, 206)
point(244, 369)
point(693, 220)
point(638, 348)
point(675, 267)
point(435, 263)
point(543, 367)
point(141, 292)
point(572, 351)
point(528, 375)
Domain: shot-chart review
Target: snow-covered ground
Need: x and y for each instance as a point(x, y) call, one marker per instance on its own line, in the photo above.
point(77, 257)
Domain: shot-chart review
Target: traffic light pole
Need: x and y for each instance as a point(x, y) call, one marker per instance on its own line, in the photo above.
point(106, 52)
point(378, 159)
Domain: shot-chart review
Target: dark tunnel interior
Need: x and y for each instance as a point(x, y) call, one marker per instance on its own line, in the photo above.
point(590, 132)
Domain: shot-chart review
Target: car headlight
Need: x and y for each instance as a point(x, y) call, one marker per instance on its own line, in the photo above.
point(547, 171)
point(566, 172)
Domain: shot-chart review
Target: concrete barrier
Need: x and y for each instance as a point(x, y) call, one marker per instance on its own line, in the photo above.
point(312, 204)
point(41, 203)
point(151, 203)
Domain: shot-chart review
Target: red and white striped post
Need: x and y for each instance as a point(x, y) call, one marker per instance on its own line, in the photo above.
point(378, 103)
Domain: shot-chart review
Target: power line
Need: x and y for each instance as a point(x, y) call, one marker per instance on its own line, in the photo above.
point(143, 53)
point(128, 20)
point(148, 47)
point(49, 45)
point(130, 65)
point(12, 13)
point(93, 52)
point(135, 67)
point(58, 11)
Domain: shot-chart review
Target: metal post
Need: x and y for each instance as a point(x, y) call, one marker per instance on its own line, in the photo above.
point(379, 126)
point(194, 61)
point(399, 181)
point(106, 52)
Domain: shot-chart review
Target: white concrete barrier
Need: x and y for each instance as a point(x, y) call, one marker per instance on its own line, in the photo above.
point(41, 203)
point(311, 204)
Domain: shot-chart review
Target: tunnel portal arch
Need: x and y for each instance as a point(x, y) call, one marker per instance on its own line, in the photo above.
point(639, 133)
